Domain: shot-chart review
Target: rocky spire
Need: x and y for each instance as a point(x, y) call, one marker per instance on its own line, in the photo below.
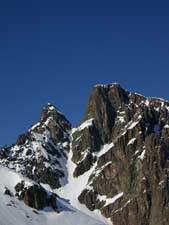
point(123, 142)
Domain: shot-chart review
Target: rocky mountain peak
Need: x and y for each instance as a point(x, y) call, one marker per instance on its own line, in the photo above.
point(106, 96)
point(41, 153)
point(122, 143)
point(50, 111)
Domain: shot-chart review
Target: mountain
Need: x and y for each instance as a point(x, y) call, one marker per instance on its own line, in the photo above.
point(41, 153)
point(111, 169)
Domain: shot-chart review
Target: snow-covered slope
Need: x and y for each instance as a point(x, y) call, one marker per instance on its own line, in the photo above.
point(15, 212)
point(74, 188)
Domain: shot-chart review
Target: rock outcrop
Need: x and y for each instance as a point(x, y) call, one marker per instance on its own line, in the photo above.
point(123, 142)
point(35, 196)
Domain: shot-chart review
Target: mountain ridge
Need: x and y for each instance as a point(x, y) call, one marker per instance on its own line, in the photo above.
point(116, 158)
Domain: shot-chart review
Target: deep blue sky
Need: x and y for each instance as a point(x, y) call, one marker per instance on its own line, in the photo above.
point(55, 51)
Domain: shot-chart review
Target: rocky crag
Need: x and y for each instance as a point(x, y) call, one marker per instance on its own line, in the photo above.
point(41, 153)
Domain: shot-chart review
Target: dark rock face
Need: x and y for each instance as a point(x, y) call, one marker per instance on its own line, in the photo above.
point(103, 105)
point(41, 153)
point(58, 125)
point(126, 148)
point(35, 196)
point(21, 139)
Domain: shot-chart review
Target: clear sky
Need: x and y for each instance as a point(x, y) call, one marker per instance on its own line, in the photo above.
point(55, 51)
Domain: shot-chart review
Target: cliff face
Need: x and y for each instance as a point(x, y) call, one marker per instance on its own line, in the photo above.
point(121, 147)
point(123, 142)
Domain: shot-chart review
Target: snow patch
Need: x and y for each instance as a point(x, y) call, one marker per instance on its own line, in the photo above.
point(86, 124)
point(147, 103)
point(109, 201)
point(131, 141)
point(142, 155)
point(121, 119)
point(105, 148)
point(133, 125)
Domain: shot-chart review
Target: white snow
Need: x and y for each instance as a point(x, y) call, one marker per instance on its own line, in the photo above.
point(99, 85)
point(34, 126)
point(73, 130)
point(133, 125)
point(98, 171)
point(73, 189)
point(78, 138)
point(109, 201)
point(114, 199)
point(157, 108)
point(15, 212)
point(162, 104)
point(159, 99)
point(147, 103)
point(128, 202)
point(104, 85)
point(105, 148)
point(9, 179)
point(131, 141)
point(161, 182)
point(41, 146)
point(167, 107)
point(86, 124)
point(139, 94)
point(136, 152)
point(142, 155)
point(85, 153)
point(140, 117)
point(121, 119)
point(52, 107)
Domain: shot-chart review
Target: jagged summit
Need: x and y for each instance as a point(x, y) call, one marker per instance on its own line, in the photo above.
point(119, 87)
point(122, 143)
point(52, 111)
point(107, 85)
point(41, 153)
point(51, 107)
